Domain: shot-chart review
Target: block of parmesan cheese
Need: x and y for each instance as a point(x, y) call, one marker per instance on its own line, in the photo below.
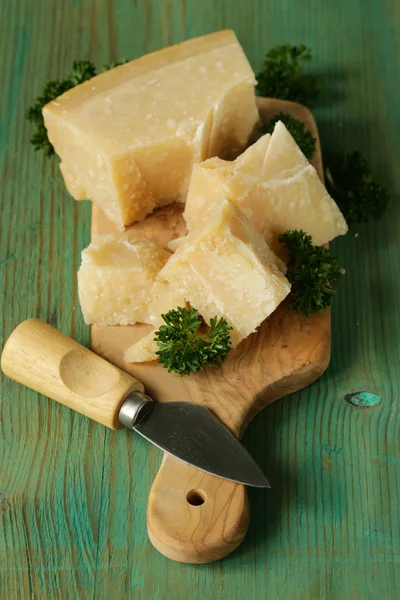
point(118, 285)
point(128, 138)
point(273, 184)
point(226, 269)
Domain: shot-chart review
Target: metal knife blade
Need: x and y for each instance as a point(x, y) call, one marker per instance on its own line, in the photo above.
point(191, 433)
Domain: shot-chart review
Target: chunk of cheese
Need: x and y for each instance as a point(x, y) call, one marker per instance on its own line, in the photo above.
point(143, 351)
point(273, 184)
point(128, 138)
point(118, 285)
point(215, 179)
point(226, 269)
point(164, 297)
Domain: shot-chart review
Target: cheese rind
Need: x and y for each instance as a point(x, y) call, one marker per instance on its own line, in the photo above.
point(226, 269)
point(128, 138)
point(273, 184)
point(118, 284)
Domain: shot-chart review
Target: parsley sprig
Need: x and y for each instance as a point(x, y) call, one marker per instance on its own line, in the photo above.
point(354, 188)
point(313, 272)
point(183, 349)
point(282, 75)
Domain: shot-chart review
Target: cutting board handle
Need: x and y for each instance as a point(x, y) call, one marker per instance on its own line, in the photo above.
point(195, 517)
point(46, 360)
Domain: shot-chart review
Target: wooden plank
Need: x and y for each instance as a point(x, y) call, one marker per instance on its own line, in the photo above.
point(73, 518)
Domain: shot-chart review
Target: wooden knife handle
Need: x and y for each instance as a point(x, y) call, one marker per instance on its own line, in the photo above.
point(53, 364)
point(194, 517)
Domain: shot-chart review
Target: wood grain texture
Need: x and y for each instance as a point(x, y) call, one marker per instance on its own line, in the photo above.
point(287, 353)
point(73, 496)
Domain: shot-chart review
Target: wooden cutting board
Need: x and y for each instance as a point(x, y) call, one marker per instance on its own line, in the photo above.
point(193, 516)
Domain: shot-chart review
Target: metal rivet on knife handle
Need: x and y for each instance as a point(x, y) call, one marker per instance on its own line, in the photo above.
point(44, 359)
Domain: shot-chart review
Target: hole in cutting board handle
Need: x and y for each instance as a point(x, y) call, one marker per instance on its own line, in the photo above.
point(196, 497)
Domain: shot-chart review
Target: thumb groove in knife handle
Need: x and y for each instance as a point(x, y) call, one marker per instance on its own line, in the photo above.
point(46, 360)
point(195, 517)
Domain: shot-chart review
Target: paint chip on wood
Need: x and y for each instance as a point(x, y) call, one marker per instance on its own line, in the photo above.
point(363, 399)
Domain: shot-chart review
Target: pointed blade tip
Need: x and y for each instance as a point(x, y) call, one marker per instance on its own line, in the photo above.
point(194, 435)
point(260, 482)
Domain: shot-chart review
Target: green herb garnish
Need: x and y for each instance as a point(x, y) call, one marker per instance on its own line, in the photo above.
point(352, 185)
point(313, 272)
point(302, 136)
point(183, 349)
point(282, 75)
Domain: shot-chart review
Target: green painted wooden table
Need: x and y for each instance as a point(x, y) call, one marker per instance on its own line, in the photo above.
point(72, 495)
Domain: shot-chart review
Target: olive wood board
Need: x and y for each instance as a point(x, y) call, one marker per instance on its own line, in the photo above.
point(193, 516)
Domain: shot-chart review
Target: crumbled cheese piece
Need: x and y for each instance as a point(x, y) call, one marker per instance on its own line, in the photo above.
point(118, 284)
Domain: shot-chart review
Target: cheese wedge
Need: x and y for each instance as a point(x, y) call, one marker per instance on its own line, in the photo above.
point(164, 297)
point(128, 138)
point(273, 184)
point(214, 180)
point(226, 269)
point(118, 285)
point(143, 351)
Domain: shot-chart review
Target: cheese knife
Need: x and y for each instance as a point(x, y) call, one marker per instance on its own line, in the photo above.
point(49, 362)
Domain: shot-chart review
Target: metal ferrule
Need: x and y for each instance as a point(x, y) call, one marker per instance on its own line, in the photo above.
point(136, 407)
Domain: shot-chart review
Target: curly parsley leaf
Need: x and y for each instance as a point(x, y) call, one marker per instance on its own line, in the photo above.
point(313, 272)
point(359, 196)
point(183, 349)
point(282, 75)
